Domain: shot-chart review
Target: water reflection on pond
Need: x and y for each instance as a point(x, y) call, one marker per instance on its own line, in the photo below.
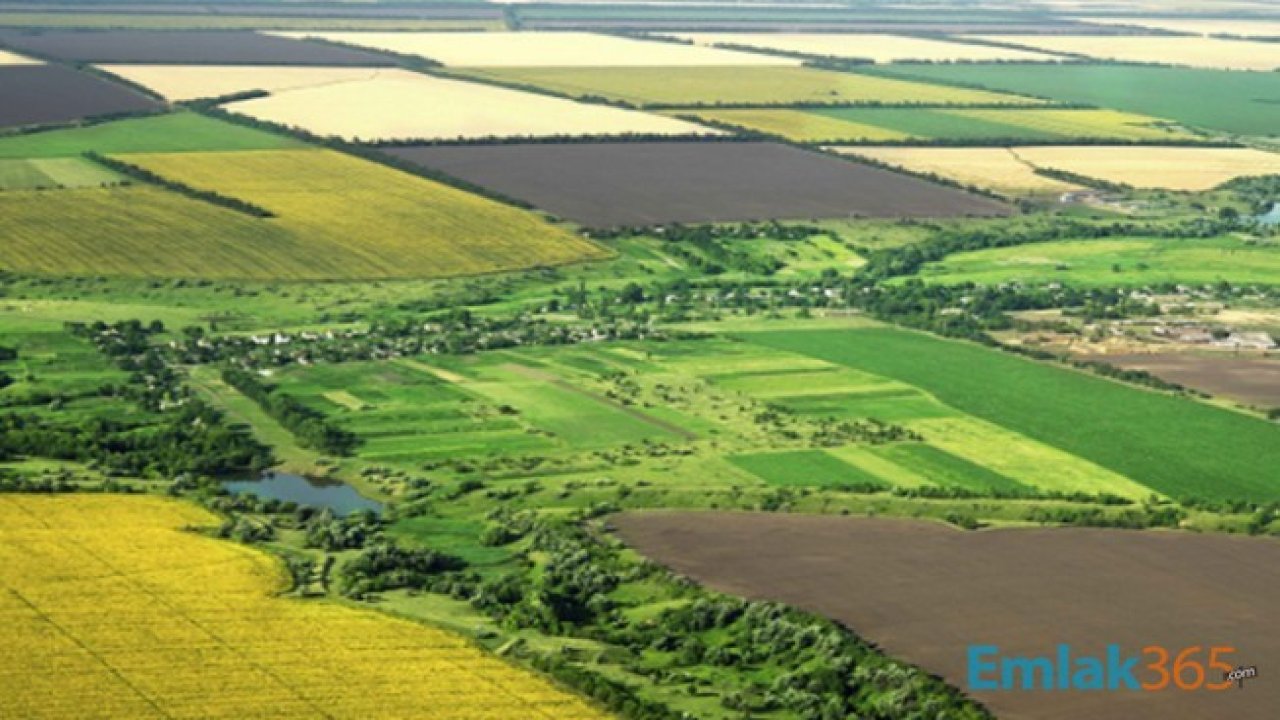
point(336, 495)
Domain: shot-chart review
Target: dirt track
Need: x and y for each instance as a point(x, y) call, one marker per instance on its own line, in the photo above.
point(925, 592)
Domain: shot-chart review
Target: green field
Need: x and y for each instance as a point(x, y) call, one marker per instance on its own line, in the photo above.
point(336, 217)
point(176, 132)
point(50, 173)
point(1120, 261)
point(716, 85)
point(1244, 103)
point(1175, 446)
point(807, 468)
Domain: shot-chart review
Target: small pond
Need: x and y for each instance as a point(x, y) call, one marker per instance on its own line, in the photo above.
point(336, 495)
point(1271, 218)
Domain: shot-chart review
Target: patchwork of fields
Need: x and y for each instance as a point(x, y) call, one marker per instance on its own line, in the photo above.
point(606, 185)
point(197, 47)
point(1209, 452)
point(995, 168)
point(148, 618)
point(177, 83)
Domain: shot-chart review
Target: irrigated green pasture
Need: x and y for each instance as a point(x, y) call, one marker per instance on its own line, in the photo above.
point(1244, 103)
point(720, 85)
point(1111, 262)
point(174, 132)
point(1173, 445)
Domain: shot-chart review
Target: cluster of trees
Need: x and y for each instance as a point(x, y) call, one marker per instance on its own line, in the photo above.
point(1148, 516)
point(143, 175)
point(310, 427)
point(385, 566)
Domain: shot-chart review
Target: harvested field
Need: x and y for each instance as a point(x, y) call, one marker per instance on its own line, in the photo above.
point(925, 592)
point(863, 124)
point(392, 225)
point(196, 47)
point(736, 85)
point(1246, 103)
point(44, 94)
point(400, 105)
point(545, 49)
point(1199, 26)
point(1171, 168)
point(605, 185)
point(1200, 52)
point(173, 132)
point(189, 82)
point(996, 169)
point(144, 618)
point(878, 48)
point(1249, 380)
point(8, 58)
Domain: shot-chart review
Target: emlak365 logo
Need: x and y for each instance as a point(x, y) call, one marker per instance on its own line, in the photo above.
point(1156, 668)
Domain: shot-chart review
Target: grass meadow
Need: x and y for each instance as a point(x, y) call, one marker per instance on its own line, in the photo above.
point(173, 132)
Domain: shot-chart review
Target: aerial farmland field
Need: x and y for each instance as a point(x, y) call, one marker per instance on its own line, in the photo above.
point(1202, 52)
point(875, 47)
point(9, 58)
point(871, 124)
point(998, 169)
point(704, 86)
point(197, 605)
point(546, 49)
point(1245, 28)
point(1108, 586)
point(1121, 261)
point(1173, 168)
point(602, 185)
point(189, 82)
point(1243, 103)
point(213, 47)
point(39, 94)
point(401, 105)
point(171, 132)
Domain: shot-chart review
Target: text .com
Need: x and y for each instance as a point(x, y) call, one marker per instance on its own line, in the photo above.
point(1155, 668)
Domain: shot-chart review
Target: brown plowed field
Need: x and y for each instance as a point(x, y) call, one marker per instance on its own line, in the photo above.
point(924, 592)
point(650, 183)
point(1251, 380)
point(39, 94)
point(196, 47)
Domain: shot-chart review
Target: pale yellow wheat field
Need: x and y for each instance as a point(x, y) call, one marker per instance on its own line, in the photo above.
point(191, 82)
point(881, 48)
point(994, 168)
point(113, 608)
point(1170, 168)
point(401, 105)
point(543, 49)
point(9, 58)
point(1201, 52)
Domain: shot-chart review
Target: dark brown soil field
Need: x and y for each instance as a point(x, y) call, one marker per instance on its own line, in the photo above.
point(181, 47)
point(432, 11)
point(924, 592)
point(647, 183)
point(39, 94)
point(1249, 380)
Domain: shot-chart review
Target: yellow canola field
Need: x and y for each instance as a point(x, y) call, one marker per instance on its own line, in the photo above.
point(542, 49)
point(112, 608)
point(191, 82)
point(994, 168)
point(372, 220)
point(401, 105)
point(878, 47)
point(9, 58)
point(1170, 168)
point(1202, 52)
